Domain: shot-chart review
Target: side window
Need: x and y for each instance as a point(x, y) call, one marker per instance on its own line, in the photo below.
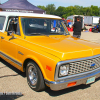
point(2, 20)
point(32, 25)
point(13, 26)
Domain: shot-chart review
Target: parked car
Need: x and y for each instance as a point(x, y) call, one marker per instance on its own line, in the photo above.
point(41, 46)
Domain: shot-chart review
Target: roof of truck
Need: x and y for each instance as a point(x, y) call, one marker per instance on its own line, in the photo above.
point(3, 13)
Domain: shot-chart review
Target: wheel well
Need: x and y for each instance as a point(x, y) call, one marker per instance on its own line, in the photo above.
point(25, 63)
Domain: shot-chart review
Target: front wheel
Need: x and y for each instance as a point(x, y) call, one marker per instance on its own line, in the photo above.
point(34, 76)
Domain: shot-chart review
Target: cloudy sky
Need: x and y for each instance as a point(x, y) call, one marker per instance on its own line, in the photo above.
point(64, 3)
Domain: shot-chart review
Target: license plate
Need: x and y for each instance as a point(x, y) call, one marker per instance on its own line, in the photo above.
point(90, 80)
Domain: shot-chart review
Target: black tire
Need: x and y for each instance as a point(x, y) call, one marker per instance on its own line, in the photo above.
point(34, 77)
point(94, 30)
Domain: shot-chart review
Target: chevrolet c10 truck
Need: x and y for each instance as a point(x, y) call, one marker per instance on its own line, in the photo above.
point(41, 46)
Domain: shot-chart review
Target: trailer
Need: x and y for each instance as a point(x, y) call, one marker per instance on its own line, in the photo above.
point(73, 19)
point(91, 20)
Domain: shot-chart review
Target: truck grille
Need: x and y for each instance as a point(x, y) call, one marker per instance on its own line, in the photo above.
point(84, 66)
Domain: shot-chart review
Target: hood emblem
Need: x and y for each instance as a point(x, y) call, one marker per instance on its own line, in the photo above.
point(92, 65)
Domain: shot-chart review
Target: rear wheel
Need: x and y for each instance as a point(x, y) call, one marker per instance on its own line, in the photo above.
point(34, 76)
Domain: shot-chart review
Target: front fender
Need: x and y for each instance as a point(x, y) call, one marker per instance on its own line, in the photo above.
point(47, 65)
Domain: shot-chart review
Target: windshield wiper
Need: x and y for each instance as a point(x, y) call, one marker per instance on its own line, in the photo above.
point(56, 33)
point(37, 34)
point(65, 34)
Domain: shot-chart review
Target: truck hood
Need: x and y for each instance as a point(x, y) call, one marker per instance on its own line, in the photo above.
point(65, 47)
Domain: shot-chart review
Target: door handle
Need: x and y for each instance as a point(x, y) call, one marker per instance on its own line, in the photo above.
point(2, 37)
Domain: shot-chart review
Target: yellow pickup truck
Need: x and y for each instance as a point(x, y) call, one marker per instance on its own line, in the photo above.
point(41, 46)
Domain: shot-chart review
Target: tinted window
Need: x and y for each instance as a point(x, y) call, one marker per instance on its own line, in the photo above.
point(2, 20)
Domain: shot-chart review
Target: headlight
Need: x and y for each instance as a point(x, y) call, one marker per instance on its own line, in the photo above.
point(63, 70)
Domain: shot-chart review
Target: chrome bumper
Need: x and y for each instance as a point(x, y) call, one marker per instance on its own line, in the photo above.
point(79, 79)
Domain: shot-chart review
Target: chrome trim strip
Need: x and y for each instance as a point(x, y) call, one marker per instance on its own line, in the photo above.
point(62, 84)
point(18, 63)
point(68, 61)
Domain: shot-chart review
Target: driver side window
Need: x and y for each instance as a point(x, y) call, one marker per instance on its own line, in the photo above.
point(13, 26)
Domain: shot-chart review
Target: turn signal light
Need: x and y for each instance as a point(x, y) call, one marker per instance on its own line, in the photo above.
point(71, 84)
point(49, 68)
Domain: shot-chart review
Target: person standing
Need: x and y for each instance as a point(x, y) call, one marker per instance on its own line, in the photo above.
point(77, 27)
point(99, 20)
point(98, 27)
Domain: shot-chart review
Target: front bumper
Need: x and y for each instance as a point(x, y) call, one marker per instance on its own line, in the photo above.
point(79, 79)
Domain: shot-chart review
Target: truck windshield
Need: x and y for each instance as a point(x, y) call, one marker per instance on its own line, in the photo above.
point(37, 26)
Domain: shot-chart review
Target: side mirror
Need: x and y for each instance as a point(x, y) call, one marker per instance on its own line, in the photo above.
point(11, 33)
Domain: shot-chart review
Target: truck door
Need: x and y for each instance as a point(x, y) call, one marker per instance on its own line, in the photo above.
point(9, 42)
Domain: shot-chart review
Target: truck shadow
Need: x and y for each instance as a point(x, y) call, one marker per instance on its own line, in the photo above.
point(10, 97)
point(68, 90)
point(12, 68)
point(4, 96)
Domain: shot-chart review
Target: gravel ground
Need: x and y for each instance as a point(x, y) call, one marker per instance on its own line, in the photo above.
point(14, 81)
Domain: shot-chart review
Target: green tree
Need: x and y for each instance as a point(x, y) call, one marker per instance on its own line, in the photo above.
point(99, 11)
point(50, 9)
point(95, 10)
point(81, 10)
point(69, 11)
point(64, 12)
point(41, 7)
point(60, 11)
point(77, 10)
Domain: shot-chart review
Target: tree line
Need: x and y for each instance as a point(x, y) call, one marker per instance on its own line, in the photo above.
point(64, 12)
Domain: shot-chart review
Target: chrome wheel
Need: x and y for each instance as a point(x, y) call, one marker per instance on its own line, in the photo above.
point(32, 72)
point(34, 76)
